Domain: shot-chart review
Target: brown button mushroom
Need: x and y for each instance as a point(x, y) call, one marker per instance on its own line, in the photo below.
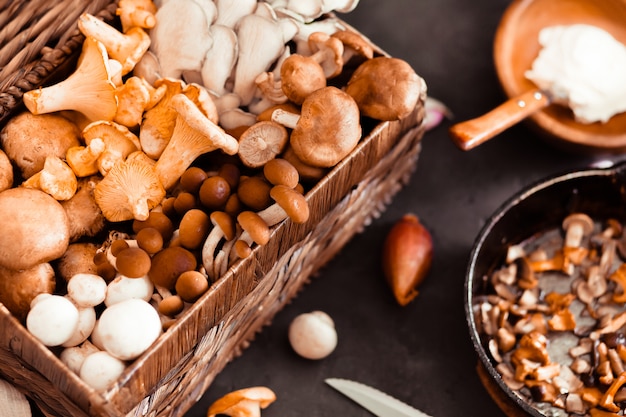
point(288, 203)
point(246, 402)
point(300, 76)
point(27, 140)
point(84, 214)
point(194, 228)
point(214, 192)
point(35, 228)
point(261, 142)
point(280, 171)
point(19, 288)
point(327, 129)
point(354, 45)
point(158, 221)
point(6, 171)
point(385, 88)
point(77, 259)
point(133, 262)
point(190, 285)
point(254, 192)
point(254, 226)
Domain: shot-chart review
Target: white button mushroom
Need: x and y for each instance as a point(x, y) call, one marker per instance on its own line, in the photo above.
point(52, 319)
point(100, 369)
point(87, 290)
point(313, 335)
point(123, 288)
point(126, 329)
point(73, 357)
point(86, 323)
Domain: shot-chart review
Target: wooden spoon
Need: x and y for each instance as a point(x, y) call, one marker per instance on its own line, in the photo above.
point(516, 46)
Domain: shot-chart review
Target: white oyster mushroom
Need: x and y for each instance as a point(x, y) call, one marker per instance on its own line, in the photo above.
point(86, 323)
point(261, 42)
point(128, 328)
point(74, 356)
point(313, 335)
point(52, 319)
point(100, 369)
point(181, 36)
point(123, 288)
point(229, 12)
point(220, 59)
point(87, 290)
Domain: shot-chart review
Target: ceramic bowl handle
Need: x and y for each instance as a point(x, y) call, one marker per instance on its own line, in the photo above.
point(471, 133)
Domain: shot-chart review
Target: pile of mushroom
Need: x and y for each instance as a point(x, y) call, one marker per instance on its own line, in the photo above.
point(182, 138)
point(554, 322)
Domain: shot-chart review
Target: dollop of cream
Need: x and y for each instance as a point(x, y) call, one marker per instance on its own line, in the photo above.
point(583, 67)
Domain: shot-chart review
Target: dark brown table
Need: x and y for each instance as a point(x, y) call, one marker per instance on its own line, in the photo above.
point(421, 353)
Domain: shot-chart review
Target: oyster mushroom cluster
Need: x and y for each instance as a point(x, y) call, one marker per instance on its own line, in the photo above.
point(185, 133)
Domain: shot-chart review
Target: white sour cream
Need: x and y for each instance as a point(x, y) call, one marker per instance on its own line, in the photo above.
point(583, 67)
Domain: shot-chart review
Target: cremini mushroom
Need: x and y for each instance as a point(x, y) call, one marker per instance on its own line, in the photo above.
point(88, 90)
point(6, 171)
point(301, 75)
point(262, 142)
point(77, 259)
point(52, 319)
point(84, 214)
point(354, 45)
point(136, 13)
point(129, 191)
point(56, 179)
point(128, 328)
point(19, 288)
point(326, 110)
point(313, 335)
point(246, 402)
point(168, 264)
point(125, 47)
point(194, 134)
point(119, 142)
point(327, 51)
point(26, 242)
point(385, 88)
point(27, 139)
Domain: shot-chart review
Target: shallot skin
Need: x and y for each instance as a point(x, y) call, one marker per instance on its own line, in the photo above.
point(407, 257)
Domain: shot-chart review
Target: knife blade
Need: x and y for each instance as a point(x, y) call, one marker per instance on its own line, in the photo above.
point(375, 401)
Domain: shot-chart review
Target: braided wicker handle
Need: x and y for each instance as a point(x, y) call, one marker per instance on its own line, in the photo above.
point(471, 133)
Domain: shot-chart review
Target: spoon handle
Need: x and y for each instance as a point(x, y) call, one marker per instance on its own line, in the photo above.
point(471, 133)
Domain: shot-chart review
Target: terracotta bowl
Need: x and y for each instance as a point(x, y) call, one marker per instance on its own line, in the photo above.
point(516, 46)
point(536, 210)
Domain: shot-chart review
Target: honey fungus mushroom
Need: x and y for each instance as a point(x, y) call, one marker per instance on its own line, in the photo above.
point(35, 228)
point(327, 129)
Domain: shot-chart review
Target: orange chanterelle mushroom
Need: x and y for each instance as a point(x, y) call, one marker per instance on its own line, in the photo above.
point(246, 402)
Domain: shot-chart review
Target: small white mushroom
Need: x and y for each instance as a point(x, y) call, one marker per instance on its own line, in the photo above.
point(86, 323)
point(87, 290)
point(52, 319)
point(313, 335)
point(126, 329)
point(123, 288)
point(74, 356)
point(100, 369)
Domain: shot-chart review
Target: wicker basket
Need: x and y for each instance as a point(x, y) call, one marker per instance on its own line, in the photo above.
point(172, 375)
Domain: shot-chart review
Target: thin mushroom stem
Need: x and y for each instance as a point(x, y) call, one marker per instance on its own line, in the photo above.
point(285, 118)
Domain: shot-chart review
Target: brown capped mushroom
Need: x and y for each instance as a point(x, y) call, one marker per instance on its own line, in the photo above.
point(6, 171)
point(246, 402)
point(129, 191)
point(26, 242)
point(88, 90)
point(262, 142)
point(327, 52)
point(84, 214)
point(254, 228)
point(354, 45)
point(168, 264)
point(288, 203)
point(190, 285)
point(19, 288)
point(327, 129)
point(279, 171)
point(27, 139)
point(301, 75)
point(576, 226)
point(385, 88)
point(194, 134)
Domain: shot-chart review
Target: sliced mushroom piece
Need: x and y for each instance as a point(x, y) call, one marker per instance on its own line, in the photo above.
point(576, 227)
point(262, 142)
point(246, 402)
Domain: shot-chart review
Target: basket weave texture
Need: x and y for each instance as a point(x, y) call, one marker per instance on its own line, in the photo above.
point(38, 41)
point(38, 38)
